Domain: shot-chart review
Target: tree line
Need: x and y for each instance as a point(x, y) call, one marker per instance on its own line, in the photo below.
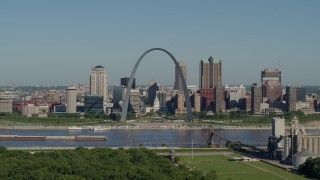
point(98, 163)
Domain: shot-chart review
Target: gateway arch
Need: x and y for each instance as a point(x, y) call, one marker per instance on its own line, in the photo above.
point(183, 81)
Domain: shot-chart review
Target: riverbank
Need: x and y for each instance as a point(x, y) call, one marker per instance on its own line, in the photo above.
point(151, 125)
point(147, 126)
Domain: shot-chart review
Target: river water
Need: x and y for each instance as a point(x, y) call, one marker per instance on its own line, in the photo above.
point(141, 137)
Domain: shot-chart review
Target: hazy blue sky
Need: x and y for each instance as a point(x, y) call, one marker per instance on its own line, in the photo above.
point(58, 42)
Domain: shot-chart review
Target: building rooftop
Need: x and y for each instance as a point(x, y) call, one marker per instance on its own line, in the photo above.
point(204, 60)
point(99, 66)
point(214, 60)
point(72, 88)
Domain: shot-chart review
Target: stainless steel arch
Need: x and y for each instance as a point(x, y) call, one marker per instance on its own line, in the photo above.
point(183, 81)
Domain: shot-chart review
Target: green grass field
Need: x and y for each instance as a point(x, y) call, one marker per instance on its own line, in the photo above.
point(228, 169)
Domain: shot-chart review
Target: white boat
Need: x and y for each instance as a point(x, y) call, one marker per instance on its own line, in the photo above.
point(77, 128)
point(99, 128)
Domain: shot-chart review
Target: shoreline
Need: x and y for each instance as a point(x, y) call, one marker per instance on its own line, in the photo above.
point(142, 128)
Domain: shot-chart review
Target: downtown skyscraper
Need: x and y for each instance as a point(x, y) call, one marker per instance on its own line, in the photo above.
point(210, 73)
point(271, 85)
point(210, 77)
point(99, 82)
point(177, 80)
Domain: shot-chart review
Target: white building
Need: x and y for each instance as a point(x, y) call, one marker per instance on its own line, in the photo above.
point(71, 106)
point(5, 106)
point(29, 110)
point(156, 104)
point(6, 102)
point(99, 82)
point(279, 129)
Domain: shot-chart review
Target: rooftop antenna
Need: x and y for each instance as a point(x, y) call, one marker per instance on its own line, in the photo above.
point(279, 64)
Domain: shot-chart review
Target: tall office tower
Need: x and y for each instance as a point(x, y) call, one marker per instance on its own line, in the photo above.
point(217, 71)
point(205, 76)
point(177, 81)
point(219, 96)
point(301, 94)
point(162, 96)
point(271, 84)
point(134, 105)
point(210, 73)
point(71, 100)
point(125, 82)
point(291, 93)
point(209, 78)
point(256, 98)
point(245, 103)
point(117, 95)
point(197, 102)
point(99, 82)
point(181, 108)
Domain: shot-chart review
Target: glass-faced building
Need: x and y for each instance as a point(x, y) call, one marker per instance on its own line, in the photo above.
point(93, 103)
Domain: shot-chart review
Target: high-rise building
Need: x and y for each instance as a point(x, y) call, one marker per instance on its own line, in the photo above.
point(271, 84)
point(301, 94)
point(256, 98)
point(219, 102)
point(181, 108)
point(210, 73)
point(177, 82)
point(217, 71)
point(93, 103)
point(209, 78)
point(291, 93)
point(205, 76)
point(134, 105)
point(125, 82)
point(233, 95)
point(71, 100)
point(245, 103)
point(99, 82)
point(117, 95)
point(162, 96)
point(153, 87)
point(197, 102)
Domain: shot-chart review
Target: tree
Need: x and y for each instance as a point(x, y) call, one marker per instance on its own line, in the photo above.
point(311, 168)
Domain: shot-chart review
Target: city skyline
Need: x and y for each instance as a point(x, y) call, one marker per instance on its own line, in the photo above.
point(57, 43)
